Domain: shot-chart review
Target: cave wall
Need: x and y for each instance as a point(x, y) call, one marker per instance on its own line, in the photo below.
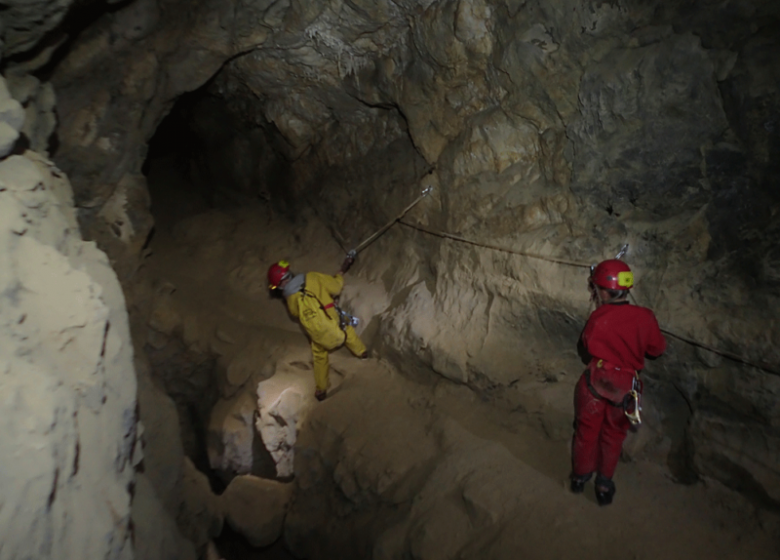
point(80, 478)
point(70, 444)
point(568, 130)
point(69, 391)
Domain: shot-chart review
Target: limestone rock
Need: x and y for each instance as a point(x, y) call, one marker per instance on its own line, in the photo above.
point(251, 363)
point(11, 119)
point(11, 112)
point(164, 317)
point(68, 412)
point(25, 22)
point(737, 454)
point(38, 100)
point(255, 508)
point(378, 476)
point(162, 442)
point(283, 402)
point(156, 533)
point(231, 436)
point(200, 517)
point(8, 137)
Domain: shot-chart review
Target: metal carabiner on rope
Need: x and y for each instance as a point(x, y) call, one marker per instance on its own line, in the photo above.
point(632, 403)
point(353, 253)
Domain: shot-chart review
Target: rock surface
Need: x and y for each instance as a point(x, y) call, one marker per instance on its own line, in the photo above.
point(255, 508)
point(283, 401)
point(566, 130)
point(231, 436)
point(389, 469)
point(201, 514)
point(69, 392)
point(12, 119)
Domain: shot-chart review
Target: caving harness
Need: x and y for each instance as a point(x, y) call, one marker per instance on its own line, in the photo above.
point(346, 319)
point(318, 324)
point(632, 401)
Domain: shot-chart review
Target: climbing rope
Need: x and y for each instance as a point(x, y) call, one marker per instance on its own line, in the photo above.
point(494, 247)
point(389, 224)
point(762, 366)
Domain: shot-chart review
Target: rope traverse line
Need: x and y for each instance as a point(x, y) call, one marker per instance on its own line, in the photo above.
point(494, 247)
point(762, 366)
point(389, 224)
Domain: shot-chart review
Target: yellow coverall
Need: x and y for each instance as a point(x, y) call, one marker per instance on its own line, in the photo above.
point(325, 287)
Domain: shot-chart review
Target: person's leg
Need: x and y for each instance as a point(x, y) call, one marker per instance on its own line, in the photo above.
point(354, 343)
point(613, 434)
point(320, 360)
point(589, 415)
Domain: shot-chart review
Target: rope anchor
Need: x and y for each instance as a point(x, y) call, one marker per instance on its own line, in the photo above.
point(354, 252)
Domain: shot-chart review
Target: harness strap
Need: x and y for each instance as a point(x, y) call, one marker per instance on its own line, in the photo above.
point(305, 292)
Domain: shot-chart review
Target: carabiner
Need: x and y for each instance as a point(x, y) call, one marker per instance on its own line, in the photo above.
point(633, 412)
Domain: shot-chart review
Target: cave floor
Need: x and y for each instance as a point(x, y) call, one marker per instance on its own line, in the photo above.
point(217, 261)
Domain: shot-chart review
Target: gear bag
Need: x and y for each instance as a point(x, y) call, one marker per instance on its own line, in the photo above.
point(609, 383)
point(321, 327)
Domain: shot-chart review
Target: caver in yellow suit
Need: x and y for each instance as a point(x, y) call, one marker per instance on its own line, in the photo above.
point(310, 300)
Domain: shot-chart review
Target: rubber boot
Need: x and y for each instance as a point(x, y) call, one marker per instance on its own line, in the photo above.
point(605, 490)
point(578, 482)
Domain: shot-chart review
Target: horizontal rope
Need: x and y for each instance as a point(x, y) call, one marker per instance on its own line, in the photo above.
point(494, 247)
point(762, 366)
point(730, 355)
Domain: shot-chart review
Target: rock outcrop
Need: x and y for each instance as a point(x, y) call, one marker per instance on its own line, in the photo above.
point(283, 401)
point(255, 508)
point(384, 471)
point(69, 390)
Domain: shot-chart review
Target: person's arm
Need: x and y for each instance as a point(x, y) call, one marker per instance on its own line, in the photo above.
point(657, 342)
point(334, 284)
point(586, 334)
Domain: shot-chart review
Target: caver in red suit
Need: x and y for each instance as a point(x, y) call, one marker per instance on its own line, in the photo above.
point(617, 337)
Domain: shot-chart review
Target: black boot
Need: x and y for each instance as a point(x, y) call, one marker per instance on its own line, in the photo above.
point(605, 490)
point(578, 482)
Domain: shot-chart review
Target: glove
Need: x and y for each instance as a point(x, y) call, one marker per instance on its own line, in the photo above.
point(347, 264)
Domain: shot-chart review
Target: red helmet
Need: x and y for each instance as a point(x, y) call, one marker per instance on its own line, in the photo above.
point(276, 273)
point(613, 275)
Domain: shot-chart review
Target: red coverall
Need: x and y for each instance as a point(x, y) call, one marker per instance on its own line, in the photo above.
point(617, 337)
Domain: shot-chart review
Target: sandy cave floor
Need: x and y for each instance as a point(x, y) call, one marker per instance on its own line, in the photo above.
point(217, 263)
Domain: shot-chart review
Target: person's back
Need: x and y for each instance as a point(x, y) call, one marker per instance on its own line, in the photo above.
point(621, 335)
point(321, 286)
point(617, 337)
